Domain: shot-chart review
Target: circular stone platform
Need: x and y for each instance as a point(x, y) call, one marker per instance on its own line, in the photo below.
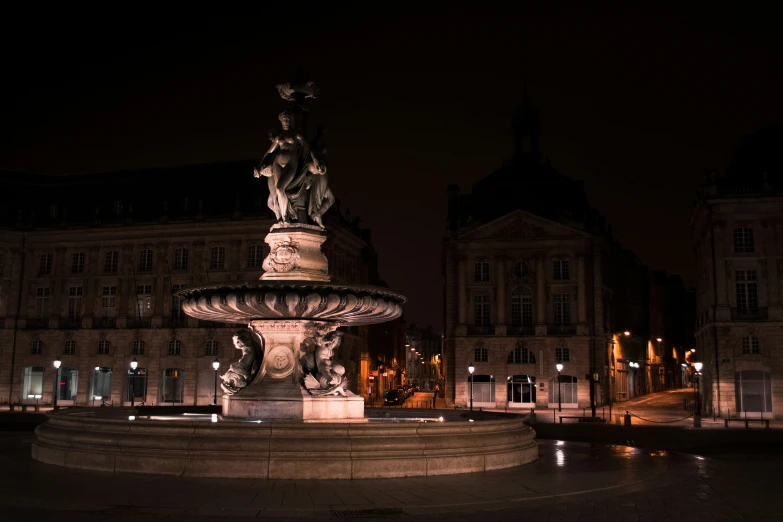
point(108, 441)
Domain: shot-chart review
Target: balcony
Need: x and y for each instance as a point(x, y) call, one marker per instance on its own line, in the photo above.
point(70, 323)
point(561, 329)
point(104, 322)
point(143, 322)
point(521, 330)
point(37, 323)
point(481, 330)
point(745, 315)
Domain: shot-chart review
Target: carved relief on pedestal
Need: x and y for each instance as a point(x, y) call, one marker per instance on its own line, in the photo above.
point(283, 255)
point(279, 362)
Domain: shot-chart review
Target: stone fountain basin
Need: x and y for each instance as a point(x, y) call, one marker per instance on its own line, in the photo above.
point(259, 300)
point(95, 440)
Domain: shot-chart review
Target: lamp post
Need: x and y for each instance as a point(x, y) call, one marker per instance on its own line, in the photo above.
point(559, 402)
point(57, 363)
point(697, 416)
point(471, 369)
point(134, 364)
point(215, 365)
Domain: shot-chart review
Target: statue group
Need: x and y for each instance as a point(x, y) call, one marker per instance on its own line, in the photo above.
point(295, 167)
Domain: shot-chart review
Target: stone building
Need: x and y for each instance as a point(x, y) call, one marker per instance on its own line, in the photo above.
point(533, 277)
point(89, 265)
point(737, 230)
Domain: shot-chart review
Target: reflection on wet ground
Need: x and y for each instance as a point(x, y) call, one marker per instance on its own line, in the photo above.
point(578, 481)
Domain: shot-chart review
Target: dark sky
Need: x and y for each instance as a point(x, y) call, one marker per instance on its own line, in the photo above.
point(636, 104)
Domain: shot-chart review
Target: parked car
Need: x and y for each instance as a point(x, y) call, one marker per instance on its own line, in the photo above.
point(403, 392)
point(393, 398)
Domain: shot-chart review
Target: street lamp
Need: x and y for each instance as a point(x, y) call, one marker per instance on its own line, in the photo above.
point(215, 365)
point(627, 333)
point(559, 402)
point(134, 364)
point(697, 416)
point(471, 369)
point(57, 363)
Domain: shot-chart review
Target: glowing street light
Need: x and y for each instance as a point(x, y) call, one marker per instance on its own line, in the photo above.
point(559, 367)
point(697, 416)
point(215, 365)
point(471, 369)
point(57, 363)
point(133, 364)
point(627, 333)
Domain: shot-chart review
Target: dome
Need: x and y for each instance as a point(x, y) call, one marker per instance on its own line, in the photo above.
point(759, 153)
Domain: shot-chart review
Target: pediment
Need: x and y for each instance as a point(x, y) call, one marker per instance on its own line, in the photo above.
point(521, 225)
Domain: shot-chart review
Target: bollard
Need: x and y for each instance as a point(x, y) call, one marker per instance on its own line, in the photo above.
point(532, 416)
point(627, 419)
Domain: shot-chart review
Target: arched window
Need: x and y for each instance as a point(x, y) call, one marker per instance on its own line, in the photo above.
point(522, 308)
point(520, 355)
point(481, 354)
point(175, 347)
point(750, 345)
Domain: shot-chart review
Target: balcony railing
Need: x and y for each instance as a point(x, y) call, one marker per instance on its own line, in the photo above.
point(561, 329)
point(70, 323)
point(37, 323)
point(521, 330)
point(481, 330)
point(140, 322)
point(104, 322)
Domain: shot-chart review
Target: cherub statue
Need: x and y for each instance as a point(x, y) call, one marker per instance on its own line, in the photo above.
point(321, 376)
point(241, 373)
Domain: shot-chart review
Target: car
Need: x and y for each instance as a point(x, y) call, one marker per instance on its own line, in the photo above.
point(403, 392)
point(416, 388)
point(393, 398)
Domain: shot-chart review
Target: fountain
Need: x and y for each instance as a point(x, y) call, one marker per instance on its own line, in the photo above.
point(287, 411)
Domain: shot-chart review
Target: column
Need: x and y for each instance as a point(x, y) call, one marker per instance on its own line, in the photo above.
point(500, 326)
point(540, 297)
point(462, 293)
point(773, 282)
point(581, 301)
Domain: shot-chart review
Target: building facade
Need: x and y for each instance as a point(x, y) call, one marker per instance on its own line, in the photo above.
point(533, 278)
point(89, 265)
point(424, 358)
point(737, 230)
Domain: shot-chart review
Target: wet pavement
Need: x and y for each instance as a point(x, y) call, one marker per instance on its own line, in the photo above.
point(571, 482)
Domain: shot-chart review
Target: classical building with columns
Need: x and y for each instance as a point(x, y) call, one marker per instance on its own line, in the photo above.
point(737, 231)
point(534, 278)
point(89, 265)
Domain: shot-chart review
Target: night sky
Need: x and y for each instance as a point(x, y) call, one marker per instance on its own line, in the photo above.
point(638, 106)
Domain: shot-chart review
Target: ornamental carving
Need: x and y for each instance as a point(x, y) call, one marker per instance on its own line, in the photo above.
point(284, 255)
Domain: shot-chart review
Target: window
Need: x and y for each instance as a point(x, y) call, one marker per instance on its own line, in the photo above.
point(45, 266)
point(212, 347)
point(145, 260)
point(747, 292)
point(70, 347)
point(522, 308)
point(143, 302)
point(217, 257)
point(255, 256)
point(521, 269)
point(109, 301)
point(74, 303)
point(743, 240)
point(110, 262)
point(173, 385)
point(41, 302)
point(482, 271)
point(138, 347)
point(181, 259)
point(101, 384)
point(750, 345)
point(36, 347)
point(176, 303)
point(562, 304)
point(116, 208)
point(483, 388)
point(753, 390)
point(137, 384)
point(175, 347)
point(481, 310)
point(521, 355)
point(77, 263)
point(562, 355)
point(566, 390)
point(103, 347)
point(32, 383)
point(67, 384)
point(560, 270)
point(481, 354)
